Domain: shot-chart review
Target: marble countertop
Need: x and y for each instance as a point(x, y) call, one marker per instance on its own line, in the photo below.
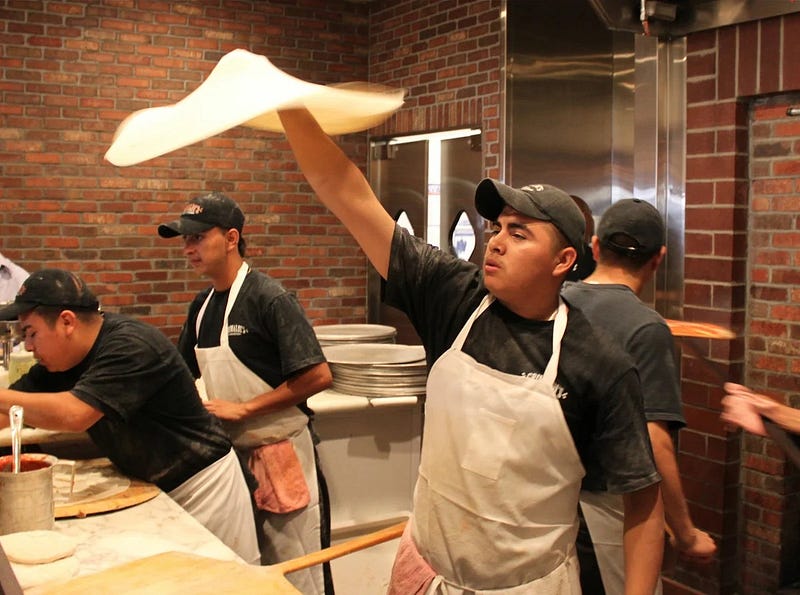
point(153, 527)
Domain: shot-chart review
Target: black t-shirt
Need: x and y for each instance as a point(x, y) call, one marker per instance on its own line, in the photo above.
point(154, 426)
point(644, 334)
point(598, 387)
point(267, 330)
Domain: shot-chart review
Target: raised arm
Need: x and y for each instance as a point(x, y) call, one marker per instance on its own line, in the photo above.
point(341, 186)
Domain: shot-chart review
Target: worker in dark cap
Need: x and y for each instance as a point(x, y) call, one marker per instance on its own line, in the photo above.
point(124, 383)
point(629, 247)
point(247, 338)
point(523, 398)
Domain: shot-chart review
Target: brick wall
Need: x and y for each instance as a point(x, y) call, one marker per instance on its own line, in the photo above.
point(449, 55)
point(771, 486)
point(740, 233)
point(71, 71)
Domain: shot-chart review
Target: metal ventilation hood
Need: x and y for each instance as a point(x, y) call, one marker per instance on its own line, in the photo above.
point(675, 18)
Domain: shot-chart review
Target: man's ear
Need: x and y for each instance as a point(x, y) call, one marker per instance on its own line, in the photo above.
point(232, 238)
point(655, 262)
point(67, 319)
point(596, 248)
point(565, 260)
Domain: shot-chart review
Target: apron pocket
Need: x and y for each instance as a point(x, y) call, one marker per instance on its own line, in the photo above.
point(282, 486)
point(488, 443)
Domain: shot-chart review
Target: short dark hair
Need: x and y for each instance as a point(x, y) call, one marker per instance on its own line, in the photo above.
point(51, 313)
point(629, 261)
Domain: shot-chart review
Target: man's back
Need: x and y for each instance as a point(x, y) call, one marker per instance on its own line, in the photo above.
point(616, 310)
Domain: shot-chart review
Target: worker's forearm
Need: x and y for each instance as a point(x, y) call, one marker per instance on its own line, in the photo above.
point(341, 186)
point(676, 511)
point(643, 540)
point(292, 392)
point(786, 417)
point(51, 411)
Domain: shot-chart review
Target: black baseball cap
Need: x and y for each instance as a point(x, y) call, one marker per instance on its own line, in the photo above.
point(50, 287)
point(204, 212)
point(540, 201)
point(632, 226)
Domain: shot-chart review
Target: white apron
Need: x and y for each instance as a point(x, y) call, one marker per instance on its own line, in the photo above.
point(218, 498)
point(226, 377)
point(495, 505)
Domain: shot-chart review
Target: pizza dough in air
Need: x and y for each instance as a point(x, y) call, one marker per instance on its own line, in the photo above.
point(37, 547)
point(33, 575)
point(246, 89)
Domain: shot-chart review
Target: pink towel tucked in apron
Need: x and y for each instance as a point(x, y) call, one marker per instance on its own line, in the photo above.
point(282, 487)
point(411, 574)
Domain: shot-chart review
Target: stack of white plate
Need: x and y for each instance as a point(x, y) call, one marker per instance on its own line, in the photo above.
point(377, 370)
point(336, 334)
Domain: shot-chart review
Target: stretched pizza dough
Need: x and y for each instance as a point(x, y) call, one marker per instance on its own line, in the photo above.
point(37, 547)
point(33, 575)
point(247, 89)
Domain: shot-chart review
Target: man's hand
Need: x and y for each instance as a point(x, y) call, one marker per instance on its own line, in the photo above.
point(700, 547)
point(226, 410)
point(740, 409)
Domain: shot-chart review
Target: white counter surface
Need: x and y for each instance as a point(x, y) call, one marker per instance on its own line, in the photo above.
point(156, 526)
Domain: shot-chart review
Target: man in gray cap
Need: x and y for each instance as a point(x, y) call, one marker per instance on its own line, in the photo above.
point(523, 399)
point(629, 247)
point(247, 338)
point(123, 382)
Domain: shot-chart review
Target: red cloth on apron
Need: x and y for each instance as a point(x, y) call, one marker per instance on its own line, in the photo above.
point(282, 487)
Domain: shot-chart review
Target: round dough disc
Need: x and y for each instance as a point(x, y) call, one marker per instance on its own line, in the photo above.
point(37, 547)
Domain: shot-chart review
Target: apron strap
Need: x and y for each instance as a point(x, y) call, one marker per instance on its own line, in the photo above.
point(559, 328)
point(234, 293)
point(462, 335)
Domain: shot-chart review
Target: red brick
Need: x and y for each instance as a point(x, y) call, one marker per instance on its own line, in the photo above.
point(726, 63)
point(747, 67)
point(791, 52)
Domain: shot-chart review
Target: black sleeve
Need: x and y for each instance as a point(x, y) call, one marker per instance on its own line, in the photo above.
point(436, 290)
point(188, 337)
point(622, 441)
point(297, 343)
point(128, 369)
point(653, 351)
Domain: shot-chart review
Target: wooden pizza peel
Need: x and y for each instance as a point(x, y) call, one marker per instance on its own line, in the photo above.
point(177, 573)
point(247, 89)
point(698, 330)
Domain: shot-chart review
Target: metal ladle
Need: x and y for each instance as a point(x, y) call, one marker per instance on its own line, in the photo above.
point(15, 414)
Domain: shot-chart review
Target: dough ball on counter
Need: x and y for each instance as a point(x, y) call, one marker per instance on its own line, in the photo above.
point(37, 547)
